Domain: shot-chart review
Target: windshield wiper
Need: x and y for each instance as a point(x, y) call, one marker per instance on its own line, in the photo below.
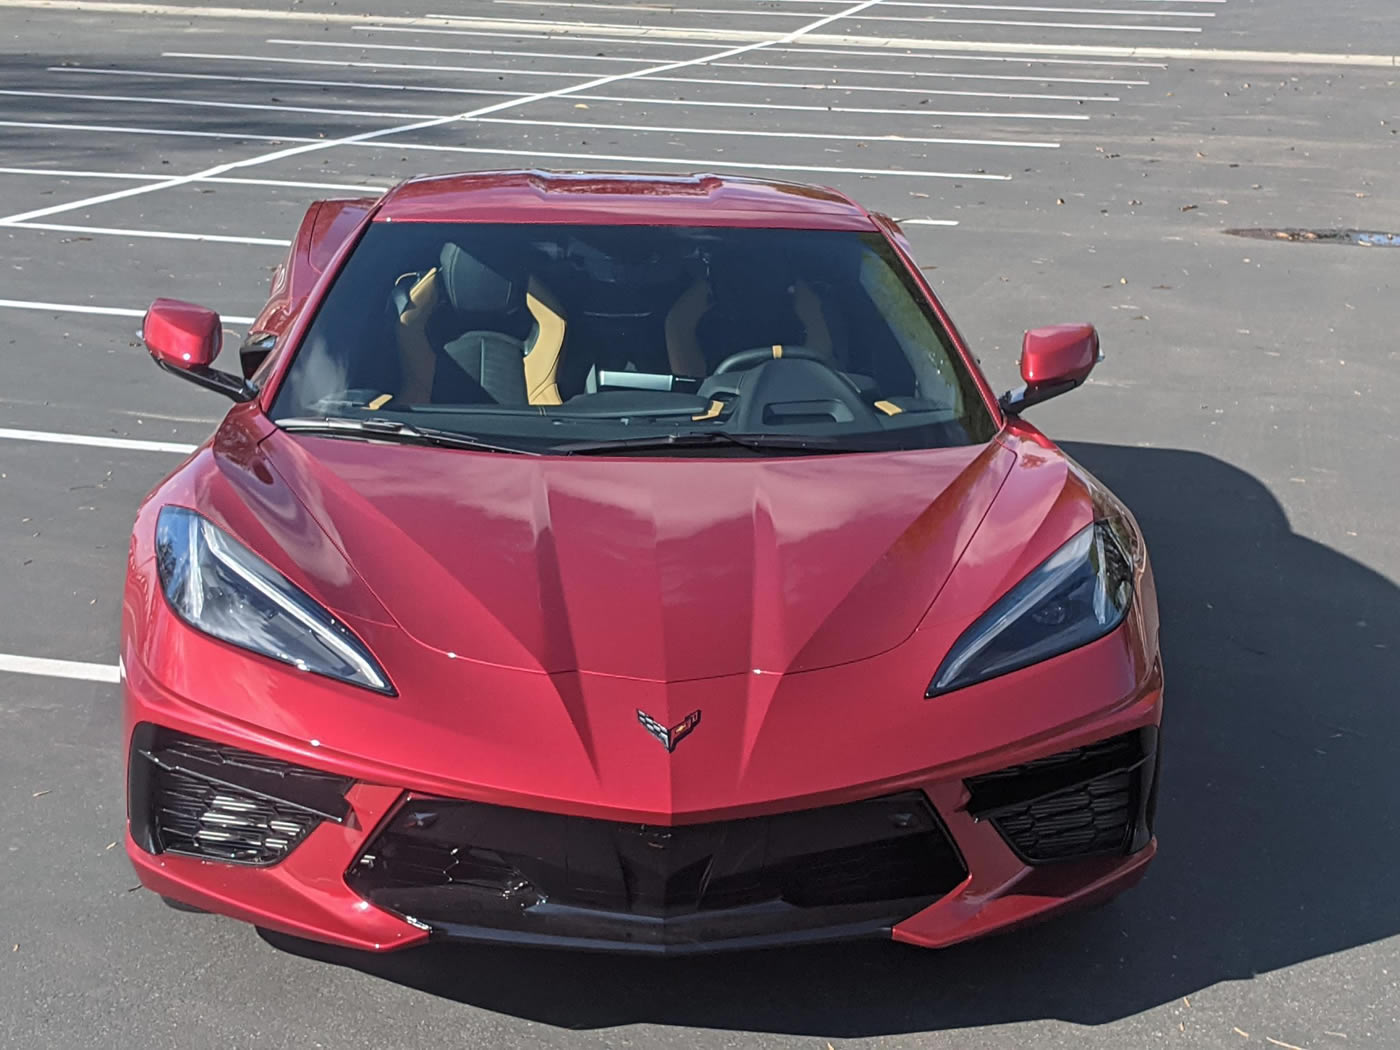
point(392, 430)
point(709, 438)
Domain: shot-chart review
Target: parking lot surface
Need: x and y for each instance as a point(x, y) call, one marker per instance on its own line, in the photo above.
point(1050, 160)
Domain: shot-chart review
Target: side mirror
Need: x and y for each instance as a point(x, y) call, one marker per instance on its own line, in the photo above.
point(184, 339)
point(1054, 361)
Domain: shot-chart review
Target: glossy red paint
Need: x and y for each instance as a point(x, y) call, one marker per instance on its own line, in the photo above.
point(617, 200)
point(1058, 354)
point(326, 228)
point(526, 608)
point(182, 335)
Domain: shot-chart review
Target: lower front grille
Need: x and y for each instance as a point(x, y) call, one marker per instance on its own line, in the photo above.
point(1090, 801)
point(208, 800)
point(453, 864)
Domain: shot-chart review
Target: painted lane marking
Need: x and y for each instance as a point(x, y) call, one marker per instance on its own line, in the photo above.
point(267, 107)
point(638, 39)
point(922, 20)
point(666, 129)
point(483, 52)
point(641, 34)
point(1031, 143)
point(1023, 60)
point(578, 92)
point(284, 80)
point(919, 73)
point(920, 111)
point(689, 164)
point(119, 129)
point(763, 133)
point(105, 311)
point(1234, 55)
point(168, 235)
point(399, 129)
point(118, 176)
point(745, 65)
point(95, 441)
point(690, 80)
point(59, 668)
point(1140, 12)
point(886, 44)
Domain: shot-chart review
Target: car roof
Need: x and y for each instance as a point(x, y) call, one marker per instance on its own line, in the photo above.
point(613, 198)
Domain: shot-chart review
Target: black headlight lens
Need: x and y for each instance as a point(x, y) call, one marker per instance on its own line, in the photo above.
point(220, 587)
point(1078, 594)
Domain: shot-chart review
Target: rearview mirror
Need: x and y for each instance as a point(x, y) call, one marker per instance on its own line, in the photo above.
point(1054, 361)
point(184, 339)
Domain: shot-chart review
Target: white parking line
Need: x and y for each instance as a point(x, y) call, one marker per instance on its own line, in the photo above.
point(577, 92)
point(59, 668)
point(1020, 60)
point(926, 19)
point(667, 129)
point(85, 308)
point(911, 111)
point(767, 133)
point(888, 45)
point(485, 52)
point(639, 34)
point(640, 39)
point(166, 235)
point(882, 71)
point(676, 80)
point(285, 80)
point(918, 73)
point(1140, 12)
point(119, 129)
point(95, 441)
point(264, 107)
point(399, 129)
point(117, 176)
point(1022, 7)
point(688, 163)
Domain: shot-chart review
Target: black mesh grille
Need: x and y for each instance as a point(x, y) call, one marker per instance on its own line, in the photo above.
point(1095, 818)
point(450, 862)
point(1089, 801)
point(208, 800)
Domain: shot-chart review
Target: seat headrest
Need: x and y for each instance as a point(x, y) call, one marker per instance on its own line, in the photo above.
point(473, 287)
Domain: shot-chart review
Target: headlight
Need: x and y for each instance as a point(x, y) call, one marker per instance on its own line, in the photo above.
point(1079, 593)
point(220, 587)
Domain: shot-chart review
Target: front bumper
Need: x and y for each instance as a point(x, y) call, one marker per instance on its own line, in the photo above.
point(931, 861)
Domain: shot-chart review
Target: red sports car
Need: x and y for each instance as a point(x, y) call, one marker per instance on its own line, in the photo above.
point(629, 563)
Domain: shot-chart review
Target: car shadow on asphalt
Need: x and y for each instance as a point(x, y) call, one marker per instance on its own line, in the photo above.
point(1278, 817)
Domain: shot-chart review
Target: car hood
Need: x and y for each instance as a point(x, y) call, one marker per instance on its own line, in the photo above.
point(663, 570)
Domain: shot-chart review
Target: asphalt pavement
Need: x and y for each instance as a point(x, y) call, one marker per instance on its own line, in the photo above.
point(1051, 160)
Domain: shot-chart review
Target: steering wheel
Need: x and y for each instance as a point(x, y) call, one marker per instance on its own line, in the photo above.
point(737, 362)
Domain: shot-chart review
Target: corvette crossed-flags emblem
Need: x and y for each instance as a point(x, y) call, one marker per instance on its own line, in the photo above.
point(669, 737)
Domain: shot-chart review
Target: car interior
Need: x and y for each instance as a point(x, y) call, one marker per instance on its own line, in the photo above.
point(743, 329)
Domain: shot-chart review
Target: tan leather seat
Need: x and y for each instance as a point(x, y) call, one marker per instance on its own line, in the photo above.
point(508, 370)
point(544, 349)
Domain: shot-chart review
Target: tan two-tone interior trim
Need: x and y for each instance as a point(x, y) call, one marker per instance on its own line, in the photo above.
point(545, 350)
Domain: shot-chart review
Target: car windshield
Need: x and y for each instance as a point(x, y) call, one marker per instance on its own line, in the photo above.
point(636, 339)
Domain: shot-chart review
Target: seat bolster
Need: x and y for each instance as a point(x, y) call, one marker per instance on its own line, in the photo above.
point(545, 349)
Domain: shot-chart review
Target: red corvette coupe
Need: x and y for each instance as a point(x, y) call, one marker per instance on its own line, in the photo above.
point(629, 563)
